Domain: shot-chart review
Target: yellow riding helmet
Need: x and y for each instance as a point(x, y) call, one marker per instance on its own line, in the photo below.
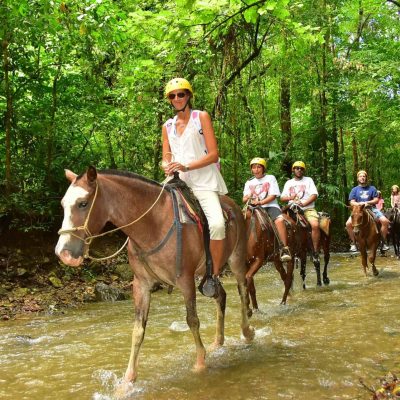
point(298, 164)
point(177, 83)
point(259, 160)
point(362, 172)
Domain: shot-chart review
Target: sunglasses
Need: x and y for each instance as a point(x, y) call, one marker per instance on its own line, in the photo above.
point(180, 95)
point(300, 168)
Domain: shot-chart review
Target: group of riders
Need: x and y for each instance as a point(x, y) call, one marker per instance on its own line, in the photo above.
point(190, 147)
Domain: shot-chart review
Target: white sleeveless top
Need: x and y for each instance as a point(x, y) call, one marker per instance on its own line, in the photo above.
point(190, 146)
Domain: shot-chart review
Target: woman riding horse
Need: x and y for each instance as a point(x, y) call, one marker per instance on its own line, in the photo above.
point(190, 147)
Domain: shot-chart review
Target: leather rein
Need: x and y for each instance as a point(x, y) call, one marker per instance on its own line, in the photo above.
point(89, 237)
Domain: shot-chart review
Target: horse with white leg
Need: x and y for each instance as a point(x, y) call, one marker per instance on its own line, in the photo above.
point(144, 211)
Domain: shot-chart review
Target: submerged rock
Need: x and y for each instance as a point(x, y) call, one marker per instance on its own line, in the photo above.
point(105, 292)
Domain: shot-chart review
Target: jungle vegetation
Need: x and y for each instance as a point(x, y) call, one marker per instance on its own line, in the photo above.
point(82, 81)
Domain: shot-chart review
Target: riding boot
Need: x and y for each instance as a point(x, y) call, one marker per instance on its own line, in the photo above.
point(285, 254)
point(209, 286)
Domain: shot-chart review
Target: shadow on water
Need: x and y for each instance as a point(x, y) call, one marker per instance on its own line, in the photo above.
point(316, 347)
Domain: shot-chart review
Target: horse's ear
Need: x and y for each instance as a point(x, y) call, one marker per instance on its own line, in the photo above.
point(70, 175)
point(362, 206)
point(91, 174)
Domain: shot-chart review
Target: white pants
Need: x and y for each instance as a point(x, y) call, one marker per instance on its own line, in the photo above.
point(211, 206)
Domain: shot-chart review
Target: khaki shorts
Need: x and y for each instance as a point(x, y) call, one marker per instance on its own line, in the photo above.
point(310, 214)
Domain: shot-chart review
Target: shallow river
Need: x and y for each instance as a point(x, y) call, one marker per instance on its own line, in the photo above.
point(316, 347)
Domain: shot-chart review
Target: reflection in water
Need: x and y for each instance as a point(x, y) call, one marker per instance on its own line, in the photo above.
point(316, 347)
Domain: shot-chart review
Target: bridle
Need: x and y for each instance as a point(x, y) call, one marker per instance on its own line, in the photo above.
point(369, 216)
point(87, 240)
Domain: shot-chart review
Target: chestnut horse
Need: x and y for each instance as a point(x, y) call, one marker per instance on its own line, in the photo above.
point(367, 235)
point(144, 211)
point(304, 244)
point(262, 245)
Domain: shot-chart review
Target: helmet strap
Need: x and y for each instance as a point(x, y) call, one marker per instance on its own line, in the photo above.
point(184, 107)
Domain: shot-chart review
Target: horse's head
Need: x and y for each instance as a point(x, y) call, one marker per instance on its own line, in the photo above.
point(357, 215)
point(79, 219)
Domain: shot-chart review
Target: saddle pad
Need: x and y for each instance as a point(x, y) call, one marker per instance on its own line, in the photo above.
point(324, 223)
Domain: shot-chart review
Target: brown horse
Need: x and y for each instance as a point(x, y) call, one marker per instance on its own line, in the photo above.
point(367, 235)
point(143, 210)
point(393, 215)
point(304, 244)
point(262, 245)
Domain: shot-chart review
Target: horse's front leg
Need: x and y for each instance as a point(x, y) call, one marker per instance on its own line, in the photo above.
point(252, 293)
point(141, 298)
point(187, 285)
point(317, 266)
point(327, 256)
point(303, 264)
point(363, 252)
point(372, 257)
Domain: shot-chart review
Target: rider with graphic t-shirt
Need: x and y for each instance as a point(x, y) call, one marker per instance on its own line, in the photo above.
point(302, 191)
point(262, 191)
point(368, 195)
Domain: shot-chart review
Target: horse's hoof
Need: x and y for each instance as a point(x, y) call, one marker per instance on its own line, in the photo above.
point(376, 273)
point(249, 334)
point(123, 390)
point(198, 368)
point(327, 281)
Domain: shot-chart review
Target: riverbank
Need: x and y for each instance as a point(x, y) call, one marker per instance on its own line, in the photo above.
point(33, 280)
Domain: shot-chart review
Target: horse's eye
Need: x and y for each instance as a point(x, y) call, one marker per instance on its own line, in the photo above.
point(82, 204)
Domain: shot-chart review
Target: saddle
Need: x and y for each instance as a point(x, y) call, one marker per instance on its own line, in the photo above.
point(189, 208)
point(324, 219)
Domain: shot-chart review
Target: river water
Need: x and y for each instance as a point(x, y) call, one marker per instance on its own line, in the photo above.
point(316, 347)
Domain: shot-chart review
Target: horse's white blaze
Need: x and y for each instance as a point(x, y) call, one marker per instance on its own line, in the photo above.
point(71, 197)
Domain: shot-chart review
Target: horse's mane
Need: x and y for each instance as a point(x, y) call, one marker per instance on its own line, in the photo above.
point(126, 174)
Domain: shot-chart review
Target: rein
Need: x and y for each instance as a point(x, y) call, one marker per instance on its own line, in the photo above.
point(89, 238)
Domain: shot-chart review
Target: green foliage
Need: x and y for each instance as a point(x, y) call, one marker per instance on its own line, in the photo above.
point(86, 78)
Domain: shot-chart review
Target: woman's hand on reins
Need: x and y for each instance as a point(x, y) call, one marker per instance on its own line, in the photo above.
point(172, 167)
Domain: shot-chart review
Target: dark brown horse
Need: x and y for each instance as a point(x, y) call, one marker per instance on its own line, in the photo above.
point(304, 245)
point(262, 246)
point(367, 235)
point(144, 212)
point(393, 215)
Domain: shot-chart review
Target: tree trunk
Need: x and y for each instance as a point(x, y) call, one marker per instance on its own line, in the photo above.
point(286, 125)
point(355, 157)
point(51, 129)
point(8, 114)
